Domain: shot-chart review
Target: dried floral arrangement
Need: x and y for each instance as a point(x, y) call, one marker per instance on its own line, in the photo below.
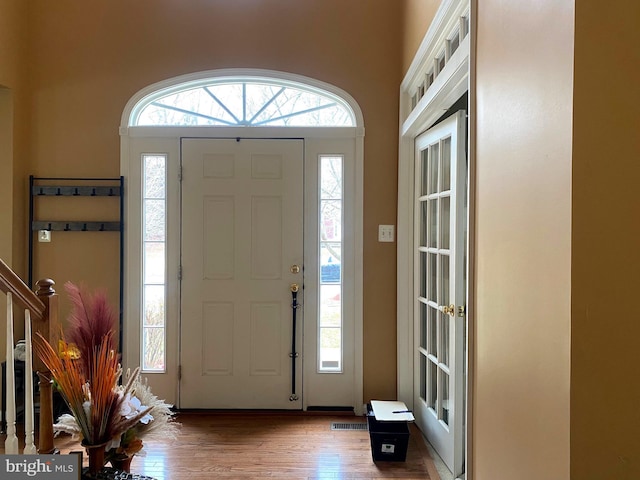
point(86, 371)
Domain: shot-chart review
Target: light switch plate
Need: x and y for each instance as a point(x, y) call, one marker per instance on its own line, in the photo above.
point(386, 233)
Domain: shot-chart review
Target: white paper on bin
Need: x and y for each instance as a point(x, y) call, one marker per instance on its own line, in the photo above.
point(383, 411)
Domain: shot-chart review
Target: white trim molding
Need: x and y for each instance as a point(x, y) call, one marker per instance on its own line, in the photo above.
point(168, 138)
point(439, 76)
point(448, 86)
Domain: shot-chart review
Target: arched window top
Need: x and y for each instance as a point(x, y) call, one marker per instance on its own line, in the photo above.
point(242, 100)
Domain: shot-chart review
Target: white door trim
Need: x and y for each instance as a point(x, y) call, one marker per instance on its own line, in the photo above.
point(417, 114)
point(450, 85)
point(170, 137)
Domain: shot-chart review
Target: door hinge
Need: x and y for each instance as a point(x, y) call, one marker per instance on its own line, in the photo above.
point(179, 372)
point(180, 173)
point(461, 311)
point(179, 272)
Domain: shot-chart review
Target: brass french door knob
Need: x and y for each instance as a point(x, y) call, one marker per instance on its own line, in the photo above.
point(449, 310)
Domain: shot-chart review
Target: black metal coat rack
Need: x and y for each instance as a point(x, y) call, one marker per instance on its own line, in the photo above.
point(40, 187)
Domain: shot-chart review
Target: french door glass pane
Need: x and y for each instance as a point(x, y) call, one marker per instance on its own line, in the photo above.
point(444, 333)
point(423, 274)
point(444, 280)
point(424, 324)
point(423, 377)
point(446, 165)
point(433, 223)
point(433, 331)
point(424, 206)
point(433, 277)
point(432, 379)
point(434, 151)
point(445, 205)
point(424, 165)
point(444, 385)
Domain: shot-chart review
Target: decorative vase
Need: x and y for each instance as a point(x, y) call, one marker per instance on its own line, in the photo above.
point(122, 463)
point(96, 457)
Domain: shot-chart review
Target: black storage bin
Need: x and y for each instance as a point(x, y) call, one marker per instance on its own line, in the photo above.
point(389, 440)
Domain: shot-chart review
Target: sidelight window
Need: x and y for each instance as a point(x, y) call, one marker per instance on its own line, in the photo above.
point(330, 315)
point(154, 239)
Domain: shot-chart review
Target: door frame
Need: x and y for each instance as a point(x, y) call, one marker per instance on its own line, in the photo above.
point(169, 140)
point(421, 107)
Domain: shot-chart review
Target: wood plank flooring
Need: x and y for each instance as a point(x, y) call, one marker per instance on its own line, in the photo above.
point(266, 445)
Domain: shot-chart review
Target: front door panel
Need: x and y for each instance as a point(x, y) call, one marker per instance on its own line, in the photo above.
point(242, 230)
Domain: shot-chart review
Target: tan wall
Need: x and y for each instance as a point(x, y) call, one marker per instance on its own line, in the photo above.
point(605, 386)
point(13, 16)
point(417, 16)
point(88, 59)
point(13, 144)
point(523, 239)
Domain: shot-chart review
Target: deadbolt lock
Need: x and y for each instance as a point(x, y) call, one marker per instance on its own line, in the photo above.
point(295, 269)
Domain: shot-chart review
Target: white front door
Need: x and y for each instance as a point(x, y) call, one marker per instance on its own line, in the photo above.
point(242, 236)
point(439, 287)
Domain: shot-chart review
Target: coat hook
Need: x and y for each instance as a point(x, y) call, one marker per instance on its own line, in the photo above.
point(75, 192)
point(41, 192)
point(58, 192)
point(66, 228)
point(84, 227)
point(93, 192)
point(102, 227)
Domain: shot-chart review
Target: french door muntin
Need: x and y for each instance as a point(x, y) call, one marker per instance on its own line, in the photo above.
point(439, 287)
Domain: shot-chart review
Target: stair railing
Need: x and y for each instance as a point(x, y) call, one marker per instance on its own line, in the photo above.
point(43, 310)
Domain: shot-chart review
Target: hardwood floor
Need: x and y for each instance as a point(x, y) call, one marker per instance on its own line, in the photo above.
point(278, 446)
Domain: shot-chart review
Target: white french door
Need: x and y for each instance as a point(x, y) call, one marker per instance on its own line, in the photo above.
point(439, 287)
point(242, 249)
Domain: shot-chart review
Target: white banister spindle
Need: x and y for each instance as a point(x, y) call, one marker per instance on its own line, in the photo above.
point(29, 445)
point(11, 443)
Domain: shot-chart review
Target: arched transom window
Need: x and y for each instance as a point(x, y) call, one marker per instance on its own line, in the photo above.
point(243, 102)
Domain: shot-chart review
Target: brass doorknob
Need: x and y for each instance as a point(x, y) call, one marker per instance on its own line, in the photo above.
point(295, 287)
point(449, 310)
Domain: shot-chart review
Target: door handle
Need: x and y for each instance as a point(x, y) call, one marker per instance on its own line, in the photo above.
point(294, 287)
point(451, 310)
